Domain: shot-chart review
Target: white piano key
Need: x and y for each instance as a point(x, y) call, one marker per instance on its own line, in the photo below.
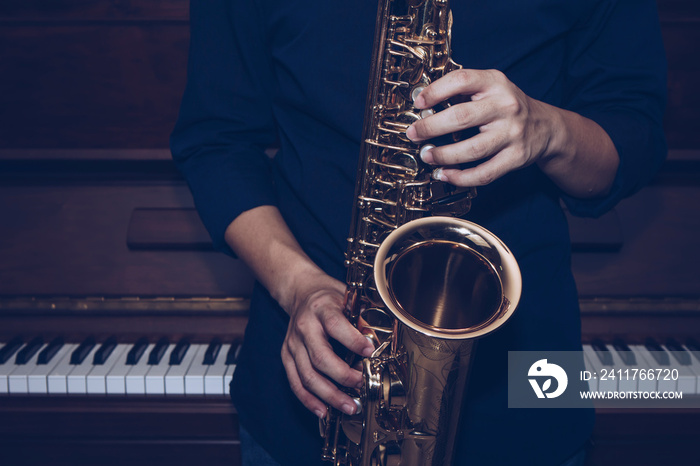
point(593, 382)
point(214, 378)
point(39, 378)
point(695, 368)
point(115, 380)
point(645, 383)
point(600, 370)
point(17, 380)
point(228, 376)
point(155, 378)
point(194, 379)
point(5, 370)
point(687, 378)
point(626, 380)
point(58, 377)
point(175, 378)
point(97, 378)
point(136, 376)
point(664, 383)
point(77, 379)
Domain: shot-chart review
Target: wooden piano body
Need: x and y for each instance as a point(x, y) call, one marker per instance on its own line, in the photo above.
point(98, 237)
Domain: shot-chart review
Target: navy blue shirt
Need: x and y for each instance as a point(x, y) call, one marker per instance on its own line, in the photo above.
point(294, 74)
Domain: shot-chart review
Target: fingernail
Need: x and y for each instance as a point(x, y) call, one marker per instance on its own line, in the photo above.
point(419, 102)
point(439, 175)
point(426, 154)
point(411, 133)
point(367, 352)
point(320, 414)
point(348, 409)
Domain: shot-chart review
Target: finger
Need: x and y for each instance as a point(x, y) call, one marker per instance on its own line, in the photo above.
point(474, 148)
point(319, 386)
point(466, 82)
point(455, 118)
point(324, 359)
point(308, 399)
point(340, 329)
point(481, 175)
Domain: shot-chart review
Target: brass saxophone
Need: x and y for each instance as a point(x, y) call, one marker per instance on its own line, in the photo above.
point(421, 284)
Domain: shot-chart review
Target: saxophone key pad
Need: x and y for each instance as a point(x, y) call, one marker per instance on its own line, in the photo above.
point(417, 90)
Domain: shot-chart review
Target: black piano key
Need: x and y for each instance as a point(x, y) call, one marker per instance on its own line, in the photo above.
point(678, 352)
point(26, 353)
point(212, 352)
point(48, 353)
point(624, 352)
point(694, 347)
point(233, 352)
point(602, 352)
point(136, 351)
point(10, 349)
point(82, 351)
point(179, 352)
point(158, 351)
point(657, 352)
point(104, 351)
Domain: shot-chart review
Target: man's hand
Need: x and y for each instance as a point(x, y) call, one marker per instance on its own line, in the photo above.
point(314, 302)
point(514, 132)
point(316, 314)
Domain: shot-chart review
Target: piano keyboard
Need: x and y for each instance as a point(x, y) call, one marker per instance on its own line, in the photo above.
point(617, 355)
point(111, 368)
point(181, 368)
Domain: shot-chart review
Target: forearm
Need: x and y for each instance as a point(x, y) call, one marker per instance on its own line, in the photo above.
point(262, 239)
point(580, 157)
point(314, 302)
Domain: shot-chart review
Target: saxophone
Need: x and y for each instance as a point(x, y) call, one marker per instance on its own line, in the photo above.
point(421, 283)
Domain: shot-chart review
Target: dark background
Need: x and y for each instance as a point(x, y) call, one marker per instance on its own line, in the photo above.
point(98, 233)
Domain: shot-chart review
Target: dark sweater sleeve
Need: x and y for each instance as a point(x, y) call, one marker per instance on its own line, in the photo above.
point(616, 76)
point(225, 121)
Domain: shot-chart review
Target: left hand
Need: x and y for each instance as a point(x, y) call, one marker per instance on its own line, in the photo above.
point(514, 129)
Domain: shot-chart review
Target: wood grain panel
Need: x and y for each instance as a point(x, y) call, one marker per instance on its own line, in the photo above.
point(660, 250)
point(90, 85)
point(103, 10)
point(678, 10)
point(681, 33)
point(115, 86)
point(167, 229)
point(110, 73)
point(116, 431)
point(71, 240)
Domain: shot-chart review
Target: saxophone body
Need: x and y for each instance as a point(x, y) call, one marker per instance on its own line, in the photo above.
point(422, 285)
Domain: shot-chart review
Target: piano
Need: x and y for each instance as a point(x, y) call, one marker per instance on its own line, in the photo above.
point(103, 258)
point(118, 381)
point(111, 381)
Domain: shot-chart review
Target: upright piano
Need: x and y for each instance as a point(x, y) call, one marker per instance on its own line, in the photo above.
point(119, 325)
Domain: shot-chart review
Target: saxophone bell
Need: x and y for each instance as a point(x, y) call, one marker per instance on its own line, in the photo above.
point(447, 278)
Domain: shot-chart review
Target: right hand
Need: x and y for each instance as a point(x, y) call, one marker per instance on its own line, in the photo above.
point(316, 315)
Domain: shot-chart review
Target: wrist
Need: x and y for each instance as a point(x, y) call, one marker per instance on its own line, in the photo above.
point(581, 158)
point(298, 281)
point(261, 238)
point(559, 149)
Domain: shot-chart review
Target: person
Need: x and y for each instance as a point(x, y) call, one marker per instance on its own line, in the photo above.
point(565, 100)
